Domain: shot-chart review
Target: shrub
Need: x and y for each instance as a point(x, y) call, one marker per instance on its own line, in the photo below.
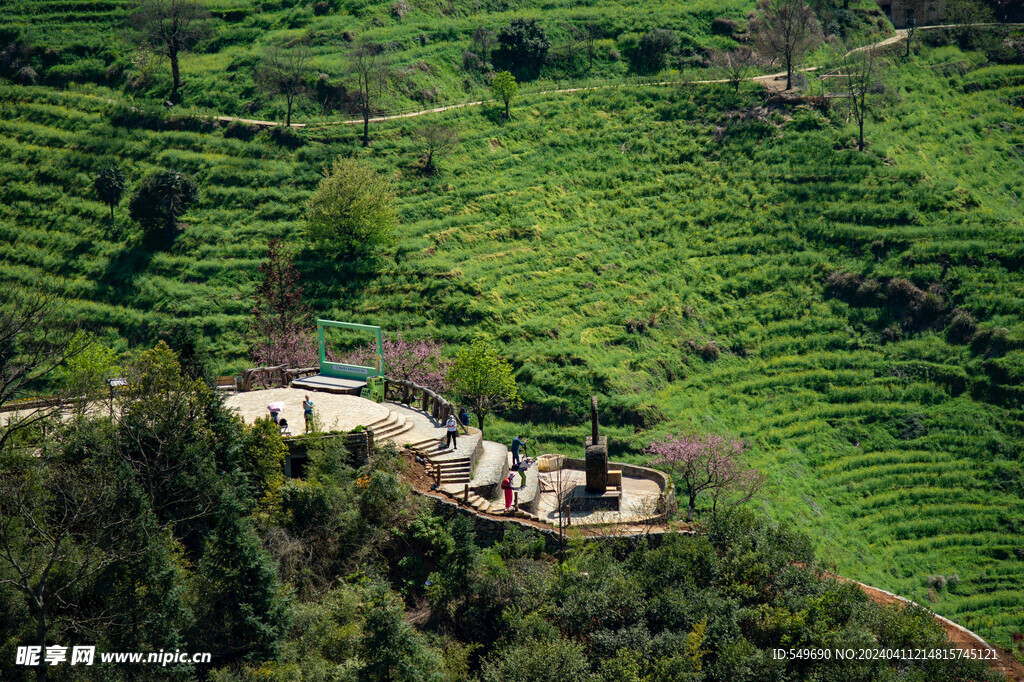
point(961, 327)
point(524, 46)
point(721, 26)
point(158, 200)
point(651, 50)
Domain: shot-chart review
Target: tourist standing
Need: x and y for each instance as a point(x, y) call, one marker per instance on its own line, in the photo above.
point(307, 411)
point(453, 432)
point(506, 485)
point(517, 443)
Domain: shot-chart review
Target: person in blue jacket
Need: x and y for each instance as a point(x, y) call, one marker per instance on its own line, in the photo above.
point(517, 443)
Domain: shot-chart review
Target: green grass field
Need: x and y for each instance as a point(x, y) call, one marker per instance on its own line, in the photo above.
point(644, 244)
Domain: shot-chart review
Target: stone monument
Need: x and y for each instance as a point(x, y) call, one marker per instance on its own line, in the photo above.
point(596, 455)
point(595, 495)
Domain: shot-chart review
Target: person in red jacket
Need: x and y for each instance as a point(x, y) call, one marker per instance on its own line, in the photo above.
point(506, 485)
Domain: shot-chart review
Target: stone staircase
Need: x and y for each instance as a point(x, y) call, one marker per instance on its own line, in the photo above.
point(452, 471)
point(485, 506)
point(391, 426)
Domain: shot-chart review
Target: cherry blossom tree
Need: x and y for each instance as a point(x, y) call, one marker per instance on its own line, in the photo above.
point(707, 463)
point(282, 332)
point(421, 362)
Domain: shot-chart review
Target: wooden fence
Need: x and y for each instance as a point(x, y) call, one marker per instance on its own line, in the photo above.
point(408, 393)
point(269, 377)
point(398, 390)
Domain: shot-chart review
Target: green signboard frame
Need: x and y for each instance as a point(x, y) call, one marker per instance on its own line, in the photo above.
point(341, 370)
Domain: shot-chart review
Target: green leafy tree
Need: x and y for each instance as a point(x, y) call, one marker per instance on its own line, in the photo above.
point(966, 18)
point(61, 525)
point(539, 661)
point(262, 461)
point(90, 365)
point(352, 210)
point(159, 200)
point(505, 88)
point(393, 651)
point(484, 380)
point(109, 185)
point(242, 610)
point(652, 48)
point(166, 433)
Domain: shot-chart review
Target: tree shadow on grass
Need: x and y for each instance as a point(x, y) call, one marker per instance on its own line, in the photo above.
point(118, 279)
point(332, 281)
point(495, 115)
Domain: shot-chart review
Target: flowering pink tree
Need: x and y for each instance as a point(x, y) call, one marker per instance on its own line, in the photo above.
point(282, 332)
point(706, 463)
point(421, 362)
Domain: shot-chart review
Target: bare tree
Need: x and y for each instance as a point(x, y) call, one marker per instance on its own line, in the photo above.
point(865, 73)
point(33, 343)
point(591, 34)
point(916, 13)
point(784, 30)
point(368, 65)
point(168, 28)
point(60, 526)
point(573, 37)
point(736, 64)
point(483, 42)
point(283, 73)
point(436, 140)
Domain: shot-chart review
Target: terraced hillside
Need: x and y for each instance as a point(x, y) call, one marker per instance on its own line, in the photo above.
point(697, 261)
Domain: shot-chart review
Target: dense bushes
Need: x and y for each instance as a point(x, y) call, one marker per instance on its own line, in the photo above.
point(523, 47)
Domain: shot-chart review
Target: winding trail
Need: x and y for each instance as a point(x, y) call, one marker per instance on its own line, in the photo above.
point(900, 35)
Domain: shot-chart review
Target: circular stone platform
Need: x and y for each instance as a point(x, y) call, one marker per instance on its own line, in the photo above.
point(336, 412)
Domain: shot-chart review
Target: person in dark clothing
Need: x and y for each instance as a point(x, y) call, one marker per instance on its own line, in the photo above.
point(464, 417)
point(517, 443)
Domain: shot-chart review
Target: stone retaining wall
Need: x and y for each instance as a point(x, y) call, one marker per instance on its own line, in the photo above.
point(358, 443)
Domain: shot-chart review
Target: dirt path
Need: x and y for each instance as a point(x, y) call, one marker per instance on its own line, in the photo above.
point(1003, 661)
point(767, 78)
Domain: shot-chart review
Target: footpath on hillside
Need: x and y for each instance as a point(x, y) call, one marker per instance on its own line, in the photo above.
point(769, 80)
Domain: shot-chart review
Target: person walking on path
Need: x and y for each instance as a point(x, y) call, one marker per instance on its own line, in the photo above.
point(307, 411)
point(506, 485)
point(453, 432)
point(517, 443)
point(464, 419)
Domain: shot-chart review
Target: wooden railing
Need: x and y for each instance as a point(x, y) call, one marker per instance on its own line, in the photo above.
point(267, 377)
point(402, 391)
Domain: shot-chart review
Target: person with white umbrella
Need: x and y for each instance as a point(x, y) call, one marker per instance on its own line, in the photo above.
point(275, 409)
